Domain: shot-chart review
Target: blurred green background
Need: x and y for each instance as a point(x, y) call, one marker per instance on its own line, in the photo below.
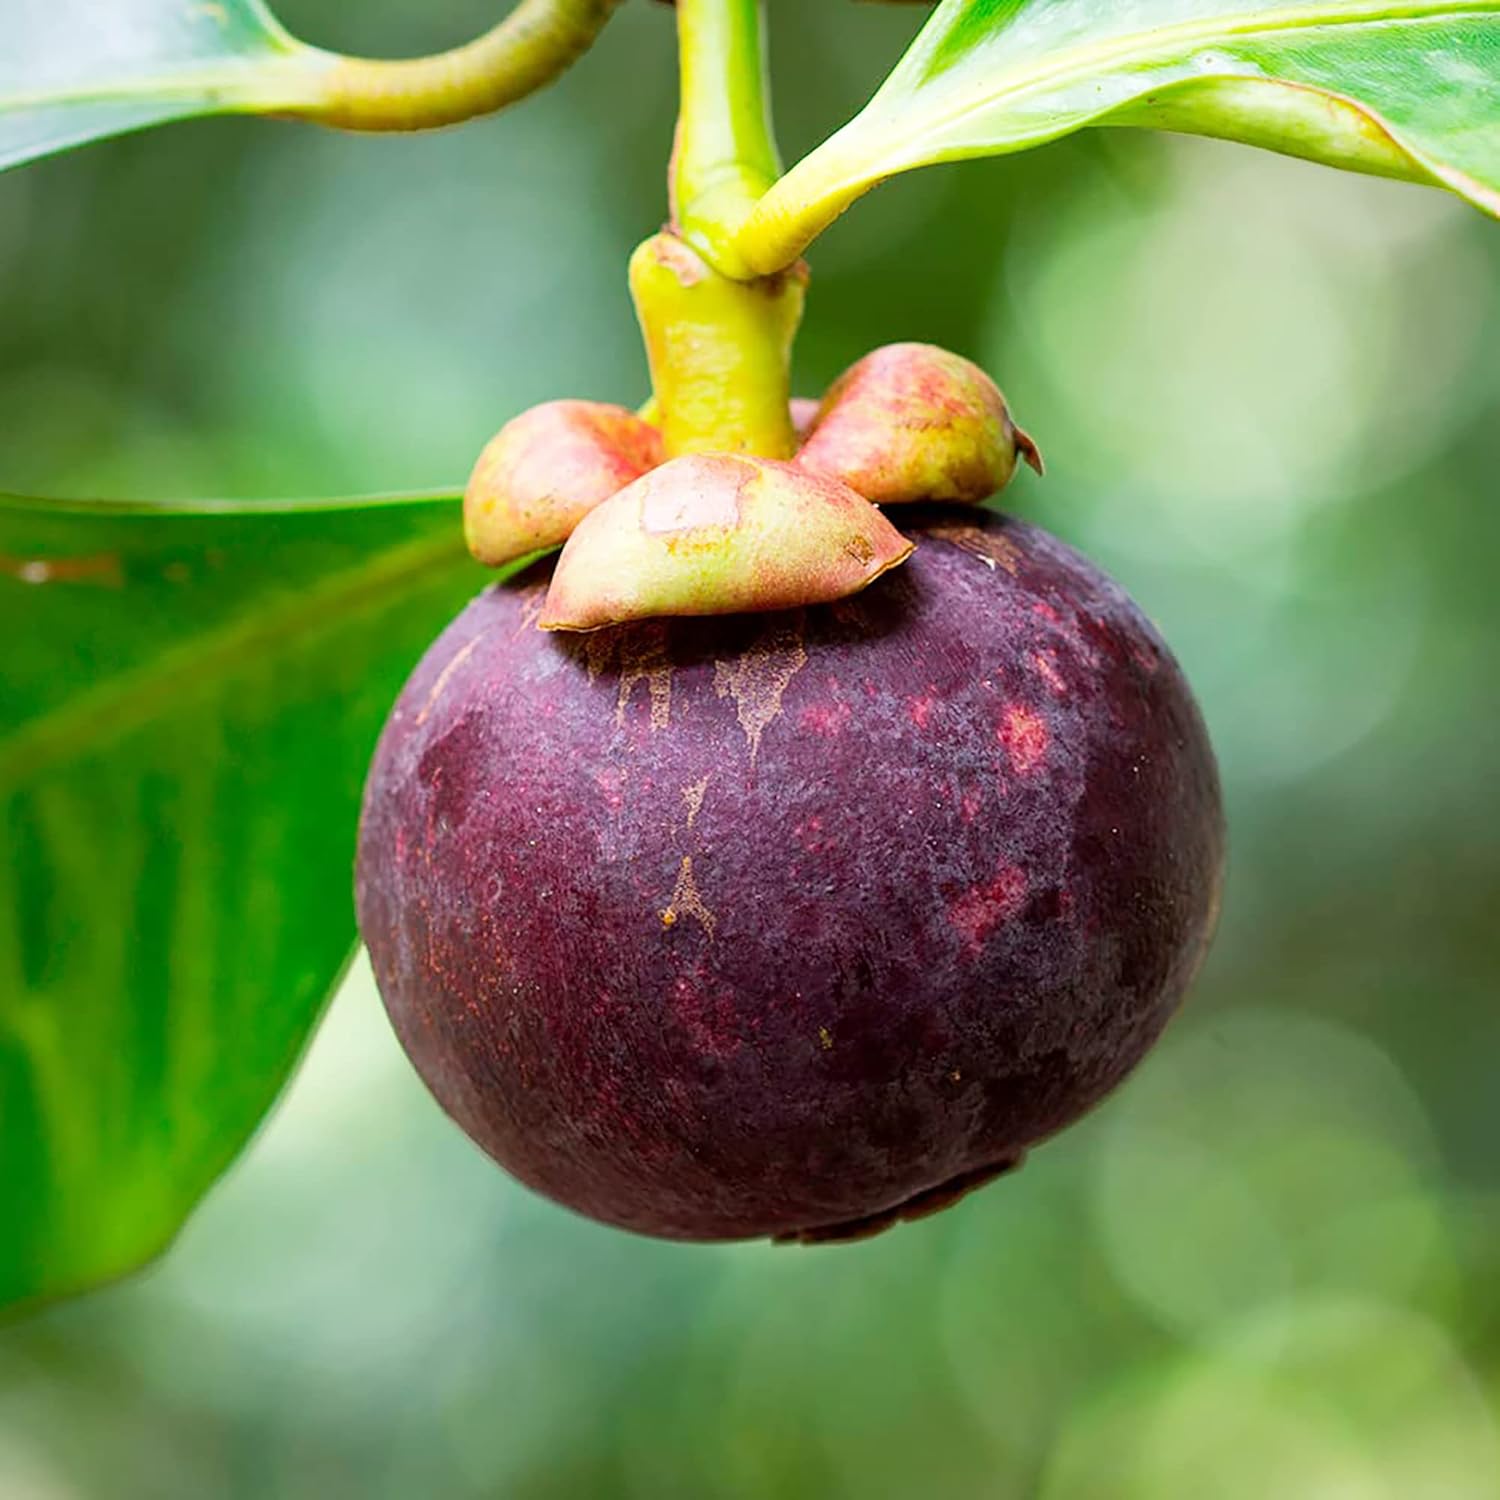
point(1268, 395)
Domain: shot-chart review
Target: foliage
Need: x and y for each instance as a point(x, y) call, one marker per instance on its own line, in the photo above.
point(72, 71)
point(191, 698)
point(1402, 88)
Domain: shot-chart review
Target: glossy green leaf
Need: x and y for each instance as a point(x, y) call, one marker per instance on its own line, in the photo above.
point(1402, 88)
point(76, 70)
point(188, 700)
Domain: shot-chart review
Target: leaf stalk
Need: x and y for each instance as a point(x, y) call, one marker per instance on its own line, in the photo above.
point(534, 45)
point(725, 155)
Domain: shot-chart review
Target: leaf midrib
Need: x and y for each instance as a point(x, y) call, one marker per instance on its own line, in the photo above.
point(1092, 59)
point(133, 697)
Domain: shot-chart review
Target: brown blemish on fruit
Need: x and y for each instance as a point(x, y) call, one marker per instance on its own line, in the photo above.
point(643, 658)
point(638, 655)
point(688, 900)
point(989, 547)
point(445, 676)
point(1024, 735)
point(980, 910)
point(759, 677)
point(533, 599)
point(102, 569)
point(693, 796)
point(825, 1039)
point(598, 651)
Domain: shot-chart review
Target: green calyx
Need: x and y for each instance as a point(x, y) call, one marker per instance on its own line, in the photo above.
point(716, 533)
point(679, 510)
point(716, 497)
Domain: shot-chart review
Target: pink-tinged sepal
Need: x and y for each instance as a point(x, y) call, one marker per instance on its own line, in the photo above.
point(543, 472)
point(805, 411)
point(913, 422)
point(712, 534)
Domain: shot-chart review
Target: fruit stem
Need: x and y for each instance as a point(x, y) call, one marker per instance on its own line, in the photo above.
point(725, 155)
point(719, 339)
point(534, 44)
point(720, 350)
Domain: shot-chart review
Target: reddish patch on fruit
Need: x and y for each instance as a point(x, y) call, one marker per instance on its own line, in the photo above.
point(1024, 735)
point(611, 783)
point(826, 719)
point(710, 1021)
point(985, 968)
point(811, 837)
point(1045, 665)
point(1146, 656)
point(922, 709)
point(981, 909)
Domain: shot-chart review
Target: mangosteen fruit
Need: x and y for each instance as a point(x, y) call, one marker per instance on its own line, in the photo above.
point(799, 922)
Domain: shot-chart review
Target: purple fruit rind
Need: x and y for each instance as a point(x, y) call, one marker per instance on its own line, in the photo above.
point(779, 925)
